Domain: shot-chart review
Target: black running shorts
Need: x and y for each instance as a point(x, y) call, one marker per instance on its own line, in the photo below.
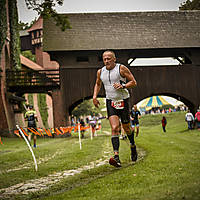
point(123, 114)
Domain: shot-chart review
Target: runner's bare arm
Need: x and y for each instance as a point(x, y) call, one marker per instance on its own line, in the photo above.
point(97, 88)
point(126, 73)
point(36, 117)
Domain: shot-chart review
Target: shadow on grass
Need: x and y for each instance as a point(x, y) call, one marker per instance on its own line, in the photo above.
point(186, 131)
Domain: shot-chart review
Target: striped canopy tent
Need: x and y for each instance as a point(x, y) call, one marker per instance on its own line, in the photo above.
point(153, 102)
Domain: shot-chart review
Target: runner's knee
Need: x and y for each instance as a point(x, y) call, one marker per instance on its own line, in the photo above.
point(127, 128)
point(115, 129)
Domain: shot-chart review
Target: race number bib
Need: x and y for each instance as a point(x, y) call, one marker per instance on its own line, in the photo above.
point(118, 104)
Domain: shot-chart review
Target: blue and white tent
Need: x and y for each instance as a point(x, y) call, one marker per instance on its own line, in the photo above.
point(153, 102)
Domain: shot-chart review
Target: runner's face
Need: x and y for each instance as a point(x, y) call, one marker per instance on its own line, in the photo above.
point(109, 60)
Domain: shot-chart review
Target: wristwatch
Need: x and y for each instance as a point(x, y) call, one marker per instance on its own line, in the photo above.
point(123, 85)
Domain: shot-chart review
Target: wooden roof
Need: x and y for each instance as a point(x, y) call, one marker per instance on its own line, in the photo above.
point(125, 30)
point(37, 25)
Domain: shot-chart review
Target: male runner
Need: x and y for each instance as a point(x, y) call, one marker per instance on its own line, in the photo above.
point(31, 117)
point(116, 79)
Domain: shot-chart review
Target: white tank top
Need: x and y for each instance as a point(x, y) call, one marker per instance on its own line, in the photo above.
point(109, 77)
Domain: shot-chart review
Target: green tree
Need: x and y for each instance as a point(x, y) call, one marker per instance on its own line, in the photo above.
point(87, 108)
point(190, 5)
point(28, 54)
point(82, 109)
point(3, 24)
point(25, 26)
point(47, 10)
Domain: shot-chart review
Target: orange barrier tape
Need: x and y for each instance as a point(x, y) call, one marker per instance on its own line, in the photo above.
point(84, 128)
point(1, 141)
point(98, 128)
point(63, 129)
point(24, 132)
point(41, 131)
point(48, 132)
point(16, 132)
point(33, 131)
point(58, 131)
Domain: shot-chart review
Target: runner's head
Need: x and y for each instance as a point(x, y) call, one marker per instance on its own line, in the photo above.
point(30, 107)
point(109, 59)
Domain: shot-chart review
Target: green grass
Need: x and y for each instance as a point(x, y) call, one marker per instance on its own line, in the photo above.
point(169, 170)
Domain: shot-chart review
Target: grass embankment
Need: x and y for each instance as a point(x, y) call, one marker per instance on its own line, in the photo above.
point(169, 170)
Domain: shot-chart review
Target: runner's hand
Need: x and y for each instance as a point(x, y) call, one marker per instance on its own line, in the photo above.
point(96, 102)
point(117, 86)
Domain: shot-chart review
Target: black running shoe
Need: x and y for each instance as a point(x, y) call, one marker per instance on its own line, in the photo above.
point(134, 154)
point(115, 161)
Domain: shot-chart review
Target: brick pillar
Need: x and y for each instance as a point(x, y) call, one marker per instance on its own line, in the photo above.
point(7, 120)
point(3, 120)
point(60, 114)
point(39, 55)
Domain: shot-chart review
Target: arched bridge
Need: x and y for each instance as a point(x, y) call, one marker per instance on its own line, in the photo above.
point(177, 81)
point(130, 35)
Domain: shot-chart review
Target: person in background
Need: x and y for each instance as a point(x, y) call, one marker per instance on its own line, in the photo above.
point(164, 123)
point(82, 126)
point(93, 123)
point(73, 122)
point(99, 124)
point(189, 118)
point(31, 117)
point(135, 116)
point(197, 118)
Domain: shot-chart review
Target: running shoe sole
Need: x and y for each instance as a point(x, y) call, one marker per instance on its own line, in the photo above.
point(113, 162)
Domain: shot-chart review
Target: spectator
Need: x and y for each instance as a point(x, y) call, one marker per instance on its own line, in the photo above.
point(82, 126)
point(189, 119)
point(93, 123)
point(164, 123)
point(197, 118)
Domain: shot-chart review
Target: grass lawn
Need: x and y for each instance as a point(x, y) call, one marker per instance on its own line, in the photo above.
point(168, 166)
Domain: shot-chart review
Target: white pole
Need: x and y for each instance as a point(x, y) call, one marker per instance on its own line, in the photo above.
point(36, 168)
point(79, 135)
point(91, 132)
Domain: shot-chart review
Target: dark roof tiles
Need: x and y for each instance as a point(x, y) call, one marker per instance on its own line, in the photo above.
point(125, 30)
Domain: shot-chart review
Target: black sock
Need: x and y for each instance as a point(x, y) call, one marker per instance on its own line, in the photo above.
point(131, 138)
point(115, 143)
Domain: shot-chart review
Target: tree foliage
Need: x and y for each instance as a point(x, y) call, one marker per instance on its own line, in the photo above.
point(25, 26)
point(47, 10)
point(190, 5)
point(14, 35)
point(28, 54)
point(3, 24)
point(87, 108)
